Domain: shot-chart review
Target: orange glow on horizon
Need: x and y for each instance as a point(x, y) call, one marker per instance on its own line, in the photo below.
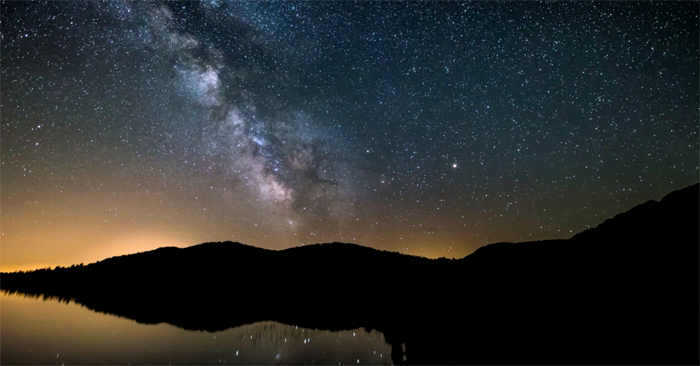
point(114, 246)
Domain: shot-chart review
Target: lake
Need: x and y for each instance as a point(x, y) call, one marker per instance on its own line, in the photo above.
point(48, 332)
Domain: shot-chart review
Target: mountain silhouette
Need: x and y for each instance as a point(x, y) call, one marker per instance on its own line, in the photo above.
point(624, 292)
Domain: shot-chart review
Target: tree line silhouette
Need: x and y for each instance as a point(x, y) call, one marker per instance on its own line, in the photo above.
point(624, 292)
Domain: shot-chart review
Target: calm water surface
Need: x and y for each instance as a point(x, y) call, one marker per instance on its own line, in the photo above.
point(43, 332)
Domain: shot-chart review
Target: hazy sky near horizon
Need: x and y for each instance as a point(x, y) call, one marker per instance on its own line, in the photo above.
point(429, 128)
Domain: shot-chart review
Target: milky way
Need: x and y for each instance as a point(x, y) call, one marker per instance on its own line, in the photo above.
point(427, 128)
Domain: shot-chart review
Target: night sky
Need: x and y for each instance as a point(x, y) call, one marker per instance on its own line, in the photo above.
point(428, 128)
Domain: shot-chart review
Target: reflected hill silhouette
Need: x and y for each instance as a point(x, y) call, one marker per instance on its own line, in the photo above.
point(625, 292)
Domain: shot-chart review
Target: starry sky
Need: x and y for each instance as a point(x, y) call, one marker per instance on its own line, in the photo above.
point(428, 128)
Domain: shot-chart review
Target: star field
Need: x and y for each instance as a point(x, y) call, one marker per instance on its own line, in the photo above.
point(429, 128)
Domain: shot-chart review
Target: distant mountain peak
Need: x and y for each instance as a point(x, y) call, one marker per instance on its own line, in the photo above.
point(675, 208)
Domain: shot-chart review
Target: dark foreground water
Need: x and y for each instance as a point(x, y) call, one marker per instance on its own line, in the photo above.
point(44, 332)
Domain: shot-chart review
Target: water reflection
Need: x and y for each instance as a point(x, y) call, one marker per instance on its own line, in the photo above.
point(37, 331)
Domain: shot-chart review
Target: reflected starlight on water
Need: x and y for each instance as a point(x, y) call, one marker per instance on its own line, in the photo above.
point(37, 331)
